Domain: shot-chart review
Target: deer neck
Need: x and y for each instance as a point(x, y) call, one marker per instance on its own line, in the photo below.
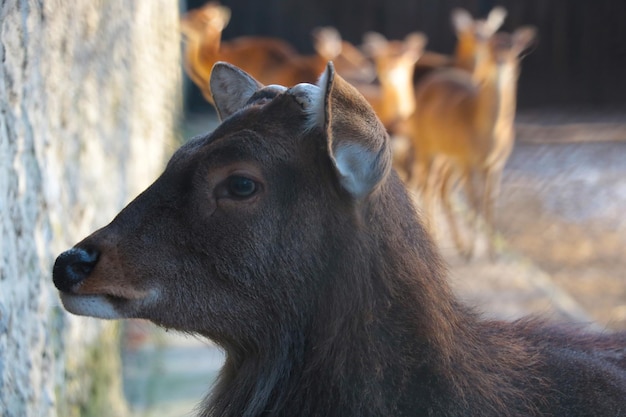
point(397, 102)
point(385, 334)
point(363, 310)
point(487, 100)
point(504, 129)
point(465, 53)
point(210, 44)
point(507, 87)
point(374, 310)
point(201, 52)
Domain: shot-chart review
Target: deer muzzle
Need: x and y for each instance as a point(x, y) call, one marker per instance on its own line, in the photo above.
point(72, 267)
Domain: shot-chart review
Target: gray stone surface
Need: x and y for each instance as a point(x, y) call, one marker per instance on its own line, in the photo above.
point(88, 102)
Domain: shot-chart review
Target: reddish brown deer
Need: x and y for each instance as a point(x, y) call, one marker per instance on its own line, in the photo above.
point(401, 65)
point(349, 61)
point(466, 120)
point(470, 34)
point(270, 60)
point(286, 237)
point(394, 99)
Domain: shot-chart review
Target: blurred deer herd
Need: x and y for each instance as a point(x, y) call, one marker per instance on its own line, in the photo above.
point(451, 118)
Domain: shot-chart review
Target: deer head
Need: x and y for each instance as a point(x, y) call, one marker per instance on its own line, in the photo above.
point(350, 61)
point(238, 224)
point(473, 35)
point(208, 21)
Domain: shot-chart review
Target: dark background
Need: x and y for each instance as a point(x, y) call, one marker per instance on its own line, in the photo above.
point(579, 60)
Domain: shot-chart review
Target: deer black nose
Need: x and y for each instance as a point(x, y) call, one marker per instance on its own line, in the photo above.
point(73, 266)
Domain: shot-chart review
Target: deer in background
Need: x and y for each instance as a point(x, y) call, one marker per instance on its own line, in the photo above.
point(472, 34)
point(393, 98)
point(463, 127)
point(399, 65)
point(347, 58)
point(270, 60)
point(285, 237)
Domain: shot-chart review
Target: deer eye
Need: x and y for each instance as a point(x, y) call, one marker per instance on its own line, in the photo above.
point(241, 187)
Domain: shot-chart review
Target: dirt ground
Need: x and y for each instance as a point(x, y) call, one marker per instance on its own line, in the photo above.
point(563, 206)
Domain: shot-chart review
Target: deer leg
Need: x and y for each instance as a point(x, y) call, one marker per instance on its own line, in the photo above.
point(493, 181)
point(403, 157)
point(474, 205)
point(417, 171)
point(447, 185)
point(428, 185)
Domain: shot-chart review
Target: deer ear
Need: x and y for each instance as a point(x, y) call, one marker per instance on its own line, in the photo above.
point(462, 20)
point(327, 42)
point(221, 18)
point(414, 45)
point(357, 141)
point(495, 20)
point(231, 88)
point(523, 39)
point(374, 43)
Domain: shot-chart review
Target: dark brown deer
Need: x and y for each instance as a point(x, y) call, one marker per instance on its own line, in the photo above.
point(286, 237)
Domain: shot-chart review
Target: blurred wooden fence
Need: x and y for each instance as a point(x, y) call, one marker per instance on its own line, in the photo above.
point(580, 58)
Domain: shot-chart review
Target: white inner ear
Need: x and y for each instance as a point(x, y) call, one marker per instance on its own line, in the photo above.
point(354, 163)
point(314, 106)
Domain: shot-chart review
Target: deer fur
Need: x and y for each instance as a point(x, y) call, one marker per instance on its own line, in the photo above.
point(395, 62)
point(286, 238)
point(463, 127)
point(270, 60)
point(472, 33)
point(403, 66)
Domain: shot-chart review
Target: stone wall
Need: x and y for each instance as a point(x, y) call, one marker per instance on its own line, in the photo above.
point(89, 98)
